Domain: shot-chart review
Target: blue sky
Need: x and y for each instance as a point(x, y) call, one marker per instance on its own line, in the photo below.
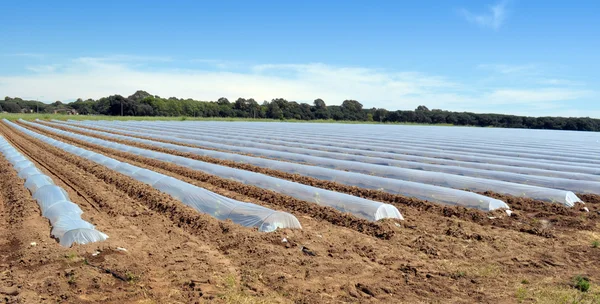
point(520, 57)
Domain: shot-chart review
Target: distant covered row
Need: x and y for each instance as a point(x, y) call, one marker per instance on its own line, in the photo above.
point(454, 177)
point(418, 190)
point(580, 183)
point(363, 208)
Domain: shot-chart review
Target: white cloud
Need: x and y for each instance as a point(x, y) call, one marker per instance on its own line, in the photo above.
point(509, 68)
point(130, 58)
point(537, 96)
point(90, 77)
point(26, 55)
point(494, 18)
point(561, 82)
point(219, 64)
point(48, 68)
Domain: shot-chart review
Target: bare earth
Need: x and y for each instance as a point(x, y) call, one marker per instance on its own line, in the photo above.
point(161, 251)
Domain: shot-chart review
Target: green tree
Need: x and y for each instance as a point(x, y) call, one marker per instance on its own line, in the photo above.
point(274, 111)
point(380, 115)
point(352, 110)
point(320, 109)
point(223, 101)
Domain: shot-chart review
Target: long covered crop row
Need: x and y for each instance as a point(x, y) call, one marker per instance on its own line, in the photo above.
point(531, 184)
point(220, 207)
point(363, 208)
point(388, 148)
point(189, 202)
point(421, 191)
point(281, 152)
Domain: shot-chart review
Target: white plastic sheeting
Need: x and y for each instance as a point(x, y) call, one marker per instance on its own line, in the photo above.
point(402, 151)
point(461, 182)
point(421, 191)
point(64, 216)
point(488, 141)
point(579, 186)
point(223, 208)
point(363, 208)
point(273, 143)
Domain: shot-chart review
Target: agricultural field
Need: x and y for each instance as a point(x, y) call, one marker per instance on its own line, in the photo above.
point(270, 212)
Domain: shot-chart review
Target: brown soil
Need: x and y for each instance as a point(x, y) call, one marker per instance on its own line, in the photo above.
point(176, 255)
point(528, 211)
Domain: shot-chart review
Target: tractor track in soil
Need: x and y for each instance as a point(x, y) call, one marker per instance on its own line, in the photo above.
point(526, 218)
point(431, 256)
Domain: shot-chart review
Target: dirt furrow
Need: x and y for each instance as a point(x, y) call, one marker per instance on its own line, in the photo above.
point(262, 258)
point(366, 193)
point(525, 219)
point(25, 234)
point(271, 198)
point(130, 225)
point(431, 255)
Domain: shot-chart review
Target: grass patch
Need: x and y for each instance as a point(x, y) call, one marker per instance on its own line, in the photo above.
point(581, 283)
point(46, 116)
point(556, 293)
point(72, 257)
point(487, 271)
point(521, 294)
point(131, 278)
point(595, 244)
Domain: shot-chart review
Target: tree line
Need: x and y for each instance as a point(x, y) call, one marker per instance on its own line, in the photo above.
point(142, 103)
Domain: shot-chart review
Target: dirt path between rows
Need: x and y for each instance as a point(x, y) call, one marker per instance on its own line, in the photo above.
point(431, 256)
point(130, 225)
point(526, 218)
point(229, 188)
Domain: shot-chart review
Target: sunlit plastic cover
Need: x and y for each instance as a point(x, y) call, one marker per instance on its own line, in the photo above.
point(64, 216)
point(249, 215)
point(367, 209)
point(412, 189)
point(380, 158)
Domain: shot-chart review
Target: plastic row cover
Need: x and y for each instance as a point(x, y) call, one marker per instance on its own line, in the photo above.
point(522, 167)
point(387, 136)
point(421, 191)
point(64, 216)
point(417, 154)
point(579, 186)
point(357, 206)
point(220, 207)
point(474, 184)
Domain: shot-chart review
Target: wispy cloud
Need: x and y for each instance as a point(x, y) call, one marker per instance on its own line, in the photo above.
point(131, 58)
point(508, 68)
point(535, 96)
point(560, 82)
point(89, 77)
point(493, 18)
point(27, 55)
point(48, 68)
point(216, 63)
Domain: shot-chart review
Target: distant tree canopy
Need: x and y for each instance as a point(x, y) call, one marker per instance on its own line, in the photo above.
point(142, 103)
